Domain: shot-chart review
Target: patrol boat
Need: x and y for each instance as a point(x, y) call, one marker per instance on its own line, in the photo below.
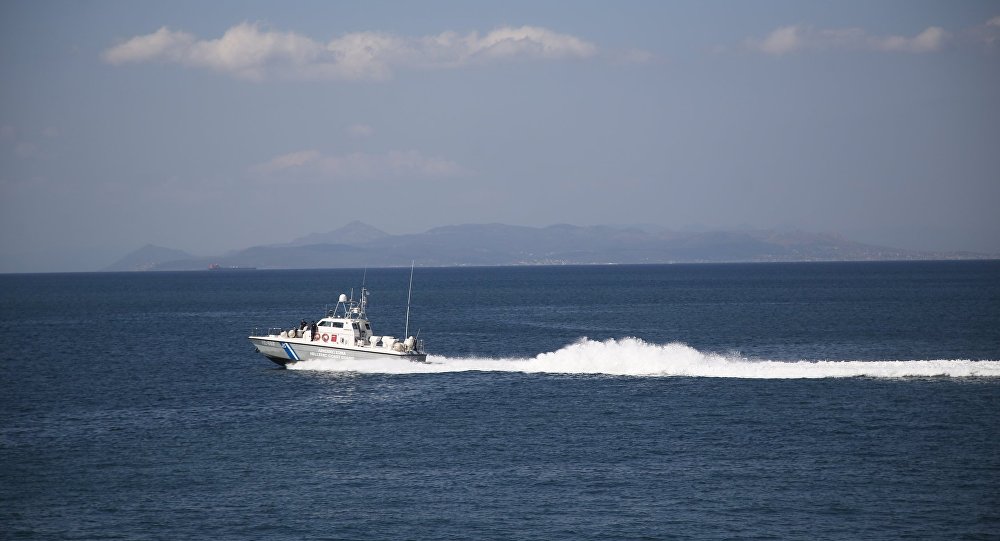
point(345, 334)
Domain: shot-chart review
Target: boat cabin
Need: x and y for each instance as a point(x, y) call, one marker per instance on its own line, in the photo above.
point(343, 331)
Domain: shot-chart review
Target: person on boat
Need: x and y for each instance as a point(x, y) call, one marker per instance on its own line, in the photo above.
point(314, 331)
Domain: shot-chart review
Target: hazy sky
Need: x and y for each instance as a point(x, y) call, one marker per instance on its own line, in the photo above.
point(210, 126)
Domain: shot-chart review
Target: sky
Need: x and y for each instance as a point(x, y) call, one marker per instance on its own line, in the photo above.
point(215, 126)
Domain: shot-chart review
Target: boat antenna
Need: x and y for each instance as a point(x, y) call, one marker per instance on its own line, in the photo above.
point(406, 329)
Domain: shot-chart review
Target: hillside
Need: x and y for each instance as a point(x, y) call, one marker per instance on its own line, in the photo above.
point(149, 257)
point(360, 245)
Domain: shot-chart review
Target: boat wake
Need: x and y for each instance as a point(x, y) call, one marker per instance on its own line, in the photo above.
point(635, 357)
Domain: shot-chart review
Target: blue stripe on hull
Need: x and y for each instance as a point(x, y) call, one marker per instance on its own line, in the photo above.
point(289, 351)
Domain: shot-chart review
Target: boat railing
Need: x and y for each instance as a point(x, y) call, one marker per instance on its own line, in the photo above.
point(267, 331)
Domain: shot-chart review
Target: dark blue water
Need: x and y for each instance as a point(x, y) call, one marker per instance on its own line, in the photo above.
point(133, 406)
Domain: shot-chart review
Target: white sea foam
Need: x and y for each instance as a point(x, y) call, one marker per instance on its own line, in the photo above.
point(634, 357)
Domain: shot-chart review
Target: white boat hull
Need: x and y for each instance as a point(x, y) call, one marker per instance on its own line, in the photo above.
point(284, 351)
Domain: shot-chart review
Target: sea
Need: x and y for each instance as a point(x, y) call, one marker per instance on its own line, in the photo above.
point(695, 401)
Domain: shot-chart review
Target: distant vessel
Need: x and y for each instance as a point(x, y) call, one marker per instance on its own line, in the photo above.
point(345, 334)
point(218, 267)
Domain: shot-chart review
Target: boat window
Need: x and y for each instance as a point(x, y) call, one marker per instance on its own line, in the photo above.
point(368, 327)
point(337, 324)
point(356, 327)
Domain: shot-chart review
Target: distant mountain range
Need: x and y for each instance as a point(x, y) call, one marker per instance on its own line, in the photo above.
point(360, 245)
point(148, 258)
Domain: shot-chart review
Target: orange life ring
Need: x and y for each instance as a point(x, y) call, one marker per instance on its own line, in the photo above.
point(326, 337)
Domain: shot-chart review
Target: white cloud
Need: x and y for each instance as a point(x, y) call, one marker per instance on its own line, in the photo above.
point(987, 33)
point(162, 44)
point(931, 39)
point(291, 160)
point(312, 164)
point(527, 41)
point(360, 130)
point(795, 38)
point(781, 41)
point(248, 51)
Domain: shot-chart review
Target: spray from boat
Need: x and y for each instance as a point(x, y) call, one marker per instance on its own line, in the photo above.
point(635, 357)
